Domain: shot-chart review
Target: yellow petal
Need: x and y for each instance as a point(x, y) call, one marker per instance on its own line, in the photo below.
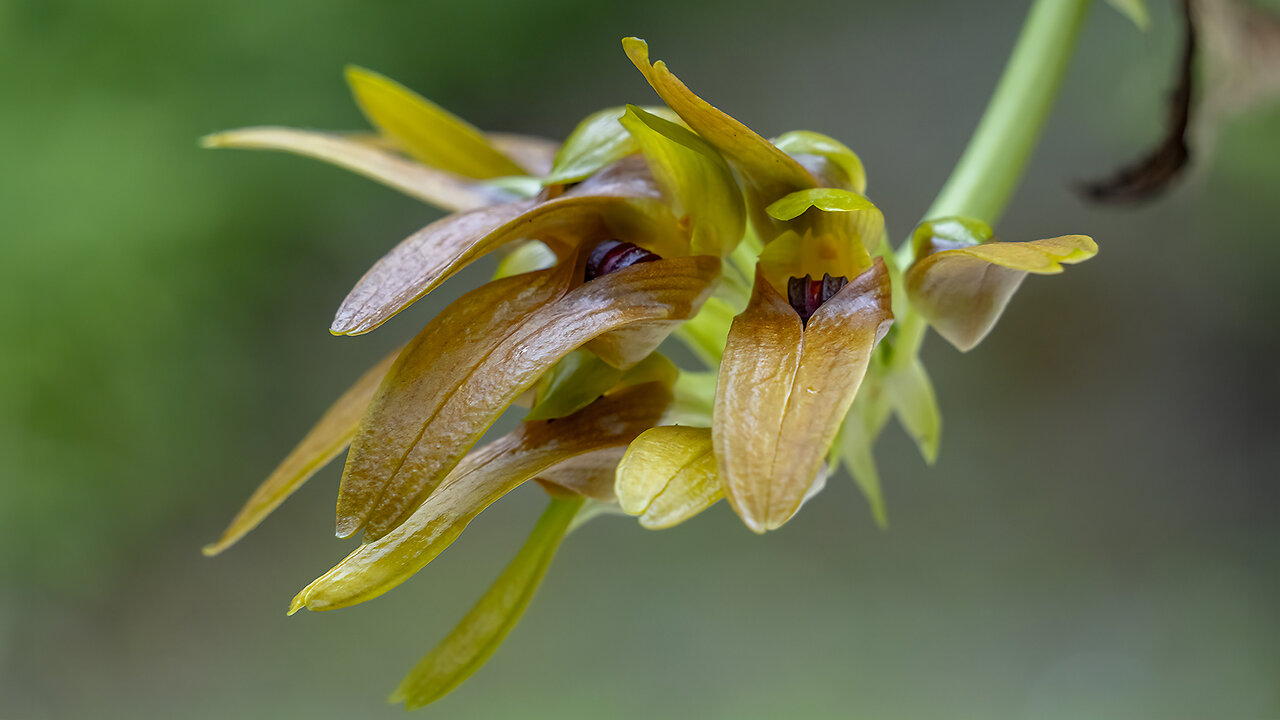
point(668, 475)
point(963, 291)
point(437, 187)
point(486, 475)
point(427, 132)
point(694, 178)
point(771, 172)
point(622, 204)
point(476, 357)
point(322, 443)
point(487, 624)
point(784, 389)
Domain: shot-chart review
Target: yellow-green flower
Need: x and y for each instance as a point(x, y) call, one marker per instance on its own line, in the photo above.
point(765, 257)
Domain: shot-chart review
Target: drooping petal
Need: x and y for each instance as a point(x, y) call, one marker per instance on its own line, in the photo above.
point(857, 437)
point(424, 130)
point(668, 475)
point(590, 475)
point(620, 204)
point(437, 187)
point(911, 394)
point(486, 625)
point(694, 178)
point(476, 357)
point(486, 475)
point(322, 443)
point(770, 172)
point(784, 389)
point(963, 291)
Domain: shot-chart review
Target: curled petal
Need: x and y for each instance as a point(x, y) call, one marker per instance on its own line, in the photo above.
point(597, 142)
point(476, 357)
point(694, 178)
point(962, 291)
point(487, 624)
point(668, 475)
point(322, 443)
point(770, 172)
point(784, 389)
point(486, 475)
point(620, 204)
point(437, 187)
point(424, 130)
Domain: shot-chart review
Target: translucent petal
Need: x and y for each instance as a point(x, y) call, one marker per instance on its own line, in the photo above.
point(668, 475)
point(590, 475)
point(486, 625)
point(1135, 10)
point(963, 291)
point(805, 142)
point(910, 392)
point(485, 476)
point(322, 443)
point(784, 389)
point(476, 357)
point(437, 187)
point(694, 178)
point(427, 132)
point(598, 141)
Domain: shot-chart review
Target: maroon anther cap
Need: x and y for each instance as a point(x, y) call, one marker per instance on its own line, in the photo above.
point(806, 295)
point(612, 255)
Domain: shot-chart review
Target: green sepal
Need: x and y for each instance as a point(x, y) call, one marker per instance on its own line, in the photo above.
point(582, 377)
point(856, 440)
point(705, 334)
point(597, 141)
point(526, 257)
point(807, 142)
point(793, 205)
point(1135, 10)
point(487, 624)
point(948, 233)
point(695, 179)
point(910, 392)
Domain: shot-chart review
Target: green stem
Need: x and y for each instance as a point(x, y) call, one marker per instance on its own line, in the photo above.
point(993, 163)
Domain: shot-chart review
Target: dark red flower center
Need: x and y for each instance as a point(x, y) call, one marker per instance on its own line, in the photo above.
point(806, 295)
point(613, 255)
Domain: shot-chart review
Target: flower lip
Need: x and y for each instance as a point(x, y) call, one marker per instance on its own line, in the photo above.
point(806, 295)
point(613, 255)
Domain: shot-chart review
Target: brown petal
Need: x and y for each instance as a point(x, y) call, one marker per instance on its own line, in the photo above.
point(475, 358)
point(589, 475)
point(963, 291)
point(322, 443)
point(486, 475)
point(784, 389)
point(619, 203)
point(437, 187)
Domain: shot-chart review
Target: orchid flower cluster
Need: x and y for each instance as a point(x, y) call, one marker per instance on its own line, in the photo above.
point(766, 258)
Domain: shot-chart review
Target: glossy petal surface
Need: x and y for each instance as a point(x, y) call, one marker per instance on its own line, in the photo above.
point(486, 475)
point(784, 389)
point(963, 291)
point(668, 475)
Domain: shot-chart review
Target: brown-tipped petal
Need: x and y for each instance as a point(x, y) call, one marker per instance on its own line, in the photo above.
point(613, 206)
point(486, 475)
point(475, 358)
point(323, 443)
point(963, 291)
point(589, 475)
point(771, 172)
point(668, 475)
point(784, 389)
point(437, 187)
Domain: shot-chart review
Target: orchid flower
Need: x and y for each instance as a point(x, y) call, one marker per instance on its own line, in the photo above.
point(766, 257)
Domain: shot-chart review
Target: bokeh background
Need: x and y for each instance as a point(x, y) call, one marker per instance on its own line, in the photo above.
point(1099, 539)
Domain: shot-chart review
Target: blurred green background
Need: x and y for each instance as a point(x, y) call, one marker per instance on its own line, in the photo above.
point(1100, 538)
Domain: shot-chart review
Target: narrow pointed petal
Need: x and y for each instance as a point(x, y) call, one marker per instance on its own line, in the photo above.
point(856, 443)
point(322, 443)
point(437, 187)
point(668, 475)
point(485, 476)
point(425, 131)
point(619, 204)
point(466, 648)
point(476, 357)
point(963, 291)
point(911, 394)
point(771, 172)
point(694, 178)
point(784, 389)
